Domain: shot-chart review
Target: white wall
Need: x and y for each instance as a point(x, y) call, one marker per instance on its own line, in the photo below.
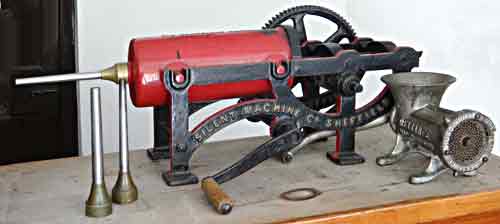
point(460, 38)
point(457, 37)
point(105, 28)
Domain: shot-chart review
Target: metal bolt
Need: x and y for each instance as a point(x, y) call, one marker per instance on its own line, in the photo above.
point(356, 87)
point(414, 145)
point(485, 159)
point(280, 69)
point(286, 157)
point(179, 77)
point(477, 116)
point(180, 148)
point(446, 120)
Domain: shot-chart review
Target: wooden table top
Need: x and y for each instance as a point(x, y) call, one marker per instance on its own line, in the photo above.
point(55, 191)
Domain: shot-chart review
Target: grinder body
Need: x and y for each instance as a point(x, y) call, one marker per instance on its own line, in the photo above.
point(149, 58)
point(458, 140)
point(463, 140)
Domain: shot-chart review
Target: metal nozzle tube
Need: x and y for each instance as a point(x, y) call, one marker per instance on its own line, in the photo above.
point(97, 151)
point(98, 203)
point(58, 78)
point(124, 167)
point(124, 190)
point(114, 73)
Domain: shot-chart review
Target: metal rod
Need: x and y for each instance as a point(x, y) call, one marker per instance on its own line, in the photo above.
point(124, 191)
point(325, 134)
point(98, 203)
point(58, 78)
point(97, 151)
point(124, 167)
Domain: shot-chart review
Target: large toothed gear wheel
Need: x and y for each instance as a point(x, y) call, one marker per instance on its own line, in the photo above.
point(298, 13)
point(310, 86)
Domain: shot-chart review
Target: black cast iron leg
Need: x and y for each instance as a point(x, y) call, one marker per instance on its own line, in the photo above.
point(158, 153)
point(177, 127)
point(160, 149)
point(344, 153)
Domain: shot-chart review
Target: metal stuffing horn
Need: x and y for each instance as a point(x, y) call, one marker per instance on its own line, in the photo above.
point(460, 141)
point(115, 74)
point(98, 203)
point(124, 191)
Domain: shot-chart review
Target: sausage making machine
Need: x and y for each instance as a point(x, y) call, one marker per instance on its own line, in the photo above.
point(260, 67)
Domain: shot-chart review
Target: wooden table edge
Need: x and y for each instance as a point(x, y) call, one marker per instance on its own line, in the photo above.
point(423, 210)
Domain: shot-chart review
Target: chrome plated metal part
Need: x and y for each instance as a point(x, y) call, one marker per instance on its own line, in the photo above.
point(124, 191)
point(97, 151)
point(114, 73)
point(122, 104)
point(434, 168)
point(460, 141)
point(58, 78)
point(98, 203)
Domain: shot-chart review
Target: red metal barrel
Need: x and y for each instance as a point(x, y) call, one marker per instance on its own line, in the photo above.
point(148, 57)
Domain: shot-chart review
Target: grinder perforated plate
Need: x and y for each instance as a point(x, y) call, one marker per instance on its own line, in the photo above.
point(468, 141)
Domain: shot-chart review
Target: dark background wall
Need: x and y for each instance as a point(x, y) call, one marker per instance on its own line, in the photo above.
point(40, 121)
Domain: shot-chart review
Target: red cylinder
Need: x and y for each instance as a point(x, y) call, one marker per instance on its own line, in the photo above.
point(148, 57)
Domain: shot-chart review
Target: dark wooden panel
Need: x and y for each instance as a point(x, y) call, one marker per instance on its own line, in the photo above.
point(40, 121)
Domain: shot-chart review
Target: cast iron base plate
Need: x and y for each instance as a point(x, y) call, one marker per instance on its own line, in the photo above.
point(158, 153)
point(345, 158)
point(179, 178)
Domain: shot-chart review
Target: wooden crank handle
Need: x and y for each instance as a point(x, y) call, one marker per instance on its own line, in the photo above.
point(222, 203)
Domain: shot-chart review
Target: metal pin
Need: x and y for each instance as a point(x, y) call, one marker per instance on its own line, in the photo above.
point(99, 203)
point(124, 191)
point(58, 78)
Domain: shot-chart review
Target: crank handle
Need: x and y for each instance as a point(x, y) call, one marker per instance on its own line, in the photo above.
point(222, 203)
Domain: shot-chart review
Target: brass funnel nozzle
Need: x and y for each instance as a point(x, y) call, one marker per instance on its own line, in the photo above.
point(115, 73)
